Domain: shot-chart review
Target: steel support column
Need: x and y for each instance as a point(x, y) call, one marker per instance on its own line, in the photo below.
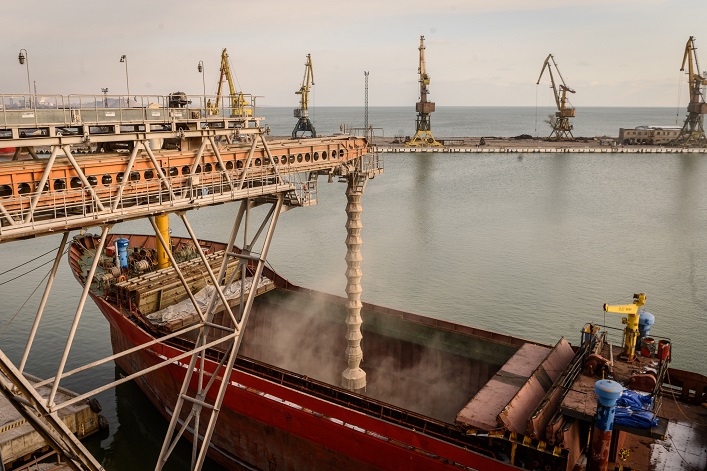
point(43, 302)
point(47, 423)
point(223, 370)
point(77, 316)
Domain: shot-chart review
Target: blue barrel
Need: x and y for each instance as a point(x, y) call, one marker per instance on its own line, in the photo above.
point(645, 321)
point(121, 247)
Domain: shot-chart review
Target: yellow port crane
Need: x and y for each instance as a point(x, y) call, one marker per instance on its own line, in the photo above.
point(692, 132)
point(302, 113)
point(238, 101)
point(423, 129)
point(560, 123)
point(631, 321)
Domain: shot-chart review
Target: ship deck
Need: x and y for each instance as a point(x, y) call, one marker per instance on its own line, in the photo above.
point(678, 441)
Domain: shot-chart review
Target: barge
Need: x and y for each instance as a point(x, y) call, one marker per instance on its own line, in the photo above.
point(440, 395)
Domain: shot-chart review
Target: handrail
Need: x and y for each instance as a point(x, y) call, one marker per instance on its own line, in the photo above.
point(50, 105)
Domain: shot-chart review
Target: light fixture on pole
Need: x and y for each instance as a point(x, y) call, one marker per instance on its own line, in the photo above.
point(105, 97)
point(24, 59)
point(124, 58)
point(200, 68)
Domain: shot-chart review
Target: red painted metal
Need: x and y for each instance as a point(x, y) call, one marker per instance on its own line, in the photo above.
point(263, 423)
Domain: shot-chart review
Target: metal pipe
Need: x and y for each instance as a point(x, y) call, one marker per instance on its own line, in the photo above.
point(209, 310)
point(126, 178)
point(24, 59)
point(353, 377)
point(158, 169)
point(608, 392)
point(43, 302)
point(162, 221)
point(237, 341)
point(176, 268)
point(124, 58)
point(162, 364)
point(220, 161)
point(166, 449)
point(77, 316)
point(115, 356)
point(246, 164)
point(42, 182)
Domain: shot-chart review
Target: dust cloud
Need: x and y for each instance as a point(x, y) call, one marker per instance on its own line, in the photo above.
point(305, 334)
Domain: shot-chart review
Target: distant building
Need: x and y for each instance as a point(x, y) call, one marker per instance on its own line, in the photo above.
point(650, 135)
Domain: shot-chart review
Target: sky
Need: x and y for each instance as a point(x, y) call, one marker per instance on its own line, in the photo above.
point(478, 53)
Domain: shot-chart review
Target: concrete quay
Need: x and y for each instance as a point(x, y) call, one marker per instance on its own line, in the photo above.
point(531, 146)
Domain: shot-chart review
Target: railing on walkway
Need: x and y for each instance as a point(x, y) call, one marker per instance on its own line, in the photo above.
point(34, 112)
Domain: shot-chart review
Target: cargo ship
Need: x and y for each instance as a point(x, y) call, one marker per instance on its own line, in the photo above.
point(439, 395)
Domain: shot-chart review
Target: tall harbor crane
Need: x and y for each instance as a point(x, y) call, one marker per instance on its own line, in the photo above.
point(560, 123)
point(692, 132)
point(302, 113)
point(423, 130)
point(238, 101)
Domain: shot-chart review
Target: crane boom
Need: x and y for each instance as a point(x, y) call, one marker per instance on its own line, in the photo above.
point(631, 321)
point(561, 127)
point(695, 79)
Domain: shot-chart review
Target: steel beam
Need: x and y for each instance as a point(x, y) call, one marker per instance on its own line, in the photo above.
point(43, 302)
point(199, 449)
point(77, 317)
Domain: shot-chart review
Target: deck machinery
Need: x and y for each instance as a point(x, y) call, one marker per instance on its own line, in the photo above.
point(560, 122)
point(302, 113)
point(692, 132)
point(423, 129)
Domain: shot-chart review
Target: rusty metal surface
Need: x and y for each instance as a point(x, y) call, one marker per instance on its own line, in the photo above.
point(601, 444)
point(483, 410)
point(515, 415)
point(685, 446)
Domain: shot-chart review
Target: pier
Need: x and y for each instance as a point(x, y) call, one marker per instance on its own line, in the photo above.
point(499, 145)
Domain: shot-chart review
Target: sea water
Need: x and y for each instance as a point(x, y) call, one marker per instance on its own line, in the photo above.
point(529, 245)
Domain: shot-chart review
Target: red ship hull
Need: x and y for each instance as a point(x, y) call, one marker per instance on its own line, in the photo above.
point(270, 426)
point(278, 415)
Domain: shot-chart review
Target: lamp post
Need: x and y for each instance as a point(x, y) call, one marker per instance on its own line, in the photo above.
point(200, 68)
point(124, 58)
point(24, 59)
point(105, 97)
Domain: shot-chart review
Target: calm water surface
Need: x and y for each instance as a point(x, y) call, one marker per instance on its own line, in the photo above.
point(529, 245)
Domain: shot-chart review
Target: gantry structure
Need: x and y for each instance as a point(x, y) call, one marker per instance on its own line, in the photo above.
point(82, 164)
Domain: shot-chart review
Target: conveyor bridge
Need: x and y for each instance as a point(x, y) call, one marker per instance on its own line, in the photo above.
point(79, 162)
